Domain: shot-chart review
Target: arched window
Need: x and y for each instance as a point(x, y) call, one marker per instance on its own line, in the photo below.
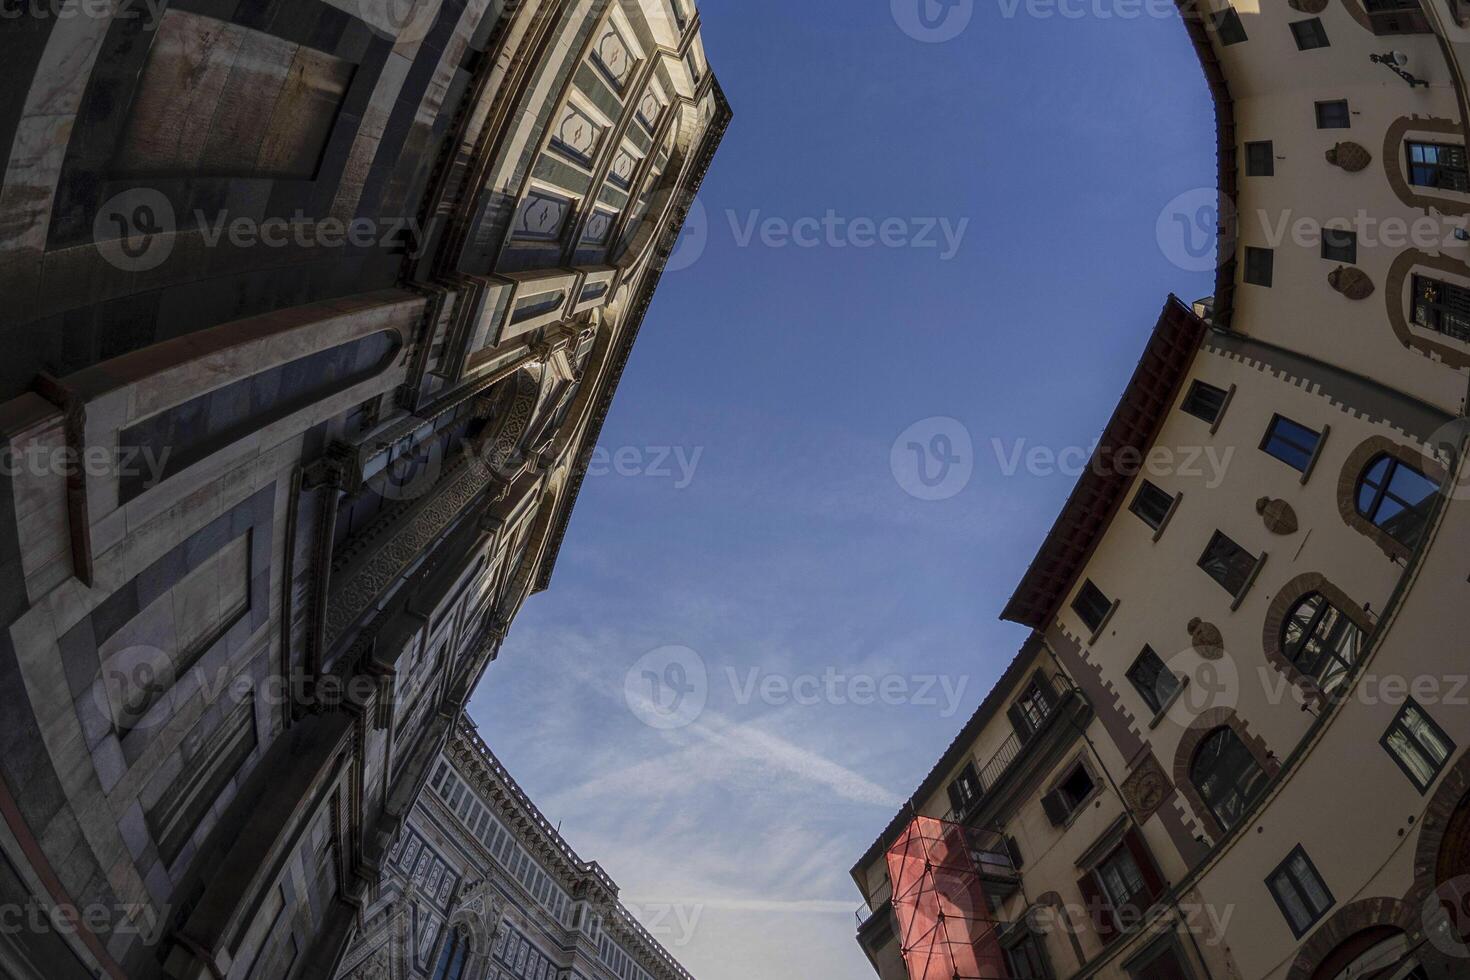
point(452, 959)
point(1396, 498)
point(1321, 641)
point(1226, 775)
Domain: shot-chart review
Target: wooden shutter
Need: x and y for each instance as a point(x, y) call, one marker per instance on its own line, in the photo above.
point(1056, 809)
point(956, 798)
point(1013, 851)
point(1019, 723)
point(1103, 920)
point(1153, 879)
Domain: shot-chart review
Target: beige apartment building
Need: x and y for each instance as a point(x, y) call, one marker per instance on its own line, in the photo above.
point(1234, 744)
point(313, 310)
point(482, 886)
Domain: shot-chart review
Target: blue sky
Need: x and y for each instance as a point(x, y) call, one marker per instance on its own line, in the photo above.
point(757, 519)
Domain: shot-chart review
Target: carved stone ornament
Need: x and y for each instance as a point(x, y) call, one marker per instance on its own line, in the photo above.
point(1146, 789)
point(1351, 282)
point(1349, 156)
point(1207, 638)
point(1279, 516)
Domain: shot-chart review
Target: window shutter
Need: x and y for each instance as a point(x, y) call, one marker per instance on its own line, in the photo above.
point(1043, 683)
point(1018, 722)
point(1013, 850)
point(1103, 921)
point(1153, 879)
point(1056, 810)
point(956, 799)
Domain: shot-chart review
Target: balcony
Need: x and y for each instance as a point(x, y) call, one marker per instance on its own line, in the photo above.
point(1007, 759)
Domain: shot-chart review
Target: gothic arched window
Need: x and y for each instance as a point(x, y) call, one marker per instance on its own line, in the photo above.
point(1396, 498)
point(452, 958)
point(1226, 775)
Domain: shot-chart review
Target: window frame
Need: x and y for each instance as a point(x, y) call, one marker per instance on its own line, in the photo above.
point(1383, 493)
point(1152, 695)
point(1160, 496)
point(1272, 436)
point(1440, 305)
point(1309, 34)
point(1258, 167)
point(1089, 588)
point(1325, 113)
point(1340, 245)
point(968, 775)
point(1397, 725)
point(1437, 167)
point(1331, 643)
point(1284, 869)
point(1259, 267)
point(1198, 387)
point(1228, 27)
point(1235, 788)
point(1219, 540)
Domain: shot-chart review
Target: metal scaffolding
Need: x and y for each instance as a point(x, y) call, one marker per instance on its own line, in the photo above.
point(946, 928)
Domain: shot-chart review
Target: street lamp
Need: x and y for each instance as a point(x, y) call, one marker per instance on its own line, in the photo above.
point(1395, 61)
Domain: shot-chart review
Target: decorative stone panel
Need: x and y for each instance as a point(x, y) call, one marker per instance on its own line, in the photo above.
point(1208, 641)
point(1286, 599)
point(1278, 515)
point(1147, 788)
point(1202, 726)
point(1352, 282)
point(1350, 157)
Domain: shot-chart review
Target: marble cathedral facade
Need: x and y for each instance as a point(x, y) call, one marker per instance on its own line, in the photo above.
point(482, 886)
point(312, 310)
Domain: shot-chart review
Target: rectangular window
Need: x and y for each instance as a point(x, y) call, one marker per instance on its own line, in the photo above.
point(1205, 402)
point(1074, 789)
point(1026, 961)
point(1390, 17)
point(1300, 892)
point(1152, 505)
point(1034, 707)
point(1293, 444)
point(1334, 114)
point(1309, 34)
point(1442, 307)
point(1340, 245)
point(1228, 563)
point(1418, 745)
point(1122, 882)
point(1439, 165)
point(1092, 606)
point(1260, 266)
point(1260, 159)
point(1155, 682)
point(1162, 961)
point(1229, 27)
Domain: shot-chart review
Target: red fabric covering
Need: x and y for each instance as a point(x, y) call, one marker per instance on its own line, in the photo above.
point(945, 924)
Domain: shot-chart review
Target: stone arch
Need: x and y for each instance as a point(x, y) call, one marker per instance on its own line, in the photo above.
point(1354, 929)
point(1444, 830)
point(1357, 463)
point(1394, 163)
point(1281, 606)
point(1396, 293)
point(1205, 724)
